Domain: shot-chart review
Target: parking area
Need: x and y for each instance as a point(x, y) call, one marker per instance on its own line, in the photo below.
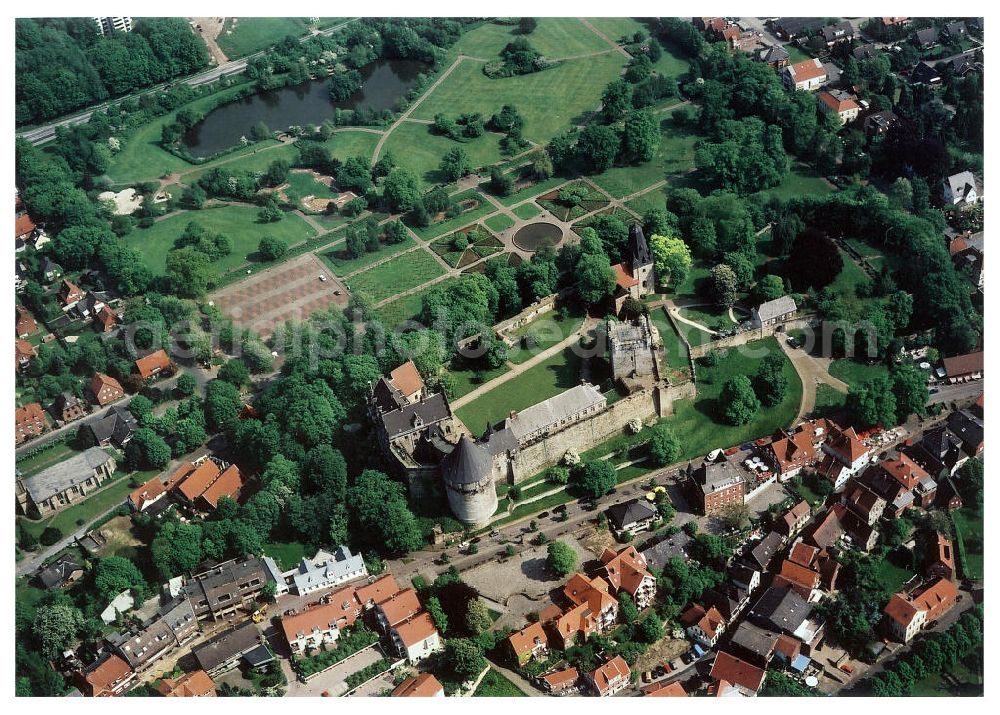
point(332, 680)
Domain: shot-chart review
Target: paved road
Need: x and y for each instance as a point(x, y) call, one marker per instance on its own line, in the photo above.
point(40, 135)
point(811, 372)
point(957, 392)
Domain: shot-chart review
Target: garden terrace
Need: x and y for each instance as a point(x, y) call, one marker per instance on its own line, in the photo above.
point(466, 246)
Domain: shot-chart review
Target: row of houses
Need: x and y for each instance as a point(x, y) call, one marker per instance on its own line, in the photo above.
point(199, 485)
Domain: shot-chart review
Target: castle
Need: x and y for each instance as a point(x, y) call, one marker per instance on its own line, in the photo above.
point(636, 274)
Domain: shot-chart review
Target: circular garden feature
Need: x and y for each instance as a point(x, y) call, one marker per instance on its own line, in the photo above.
point(537, 234)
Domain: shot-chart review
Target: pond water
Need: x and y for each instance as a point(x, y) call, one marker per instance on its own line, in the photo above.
point(385, 82)
point(535, 235)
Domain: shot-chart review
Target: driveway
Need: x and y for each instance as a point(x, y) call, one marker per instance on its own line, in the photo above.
point(812, 372)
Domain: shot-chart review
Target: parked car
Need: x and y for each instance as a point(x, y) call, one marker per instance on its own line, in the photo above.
point(647, 677)
point(543, 515)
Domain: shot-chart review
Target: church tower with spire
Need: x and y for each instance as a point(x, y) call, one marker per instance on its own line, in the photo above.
point(640, 260)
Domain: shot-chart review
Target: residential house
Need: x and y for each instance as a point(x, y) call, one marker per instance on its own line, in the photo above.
point(807, 75)
point(843, 104)
point(61, 572)
point(666, 690)
point(969, 429)
point(948, 496)
point(792, 521)
point(528, 644)
point(152, 365)
point(866, 51)
point(222, 590)
point(173, 626)
point(746, 678)
point(50, 270)
point(728, 598)
point(424, 685)
point(868, 505)
point(24, 228)
point(24, 353)
point(416, 638)
point(377, 591)
point(926, 38)
point(321, 624)
point(223, 652)
point(846, 455)
point(593, 593)
point(753, 644)
point(939, 558)
point(704, 626)
point(69, 294)
point(956, 30)
point(924, 73)
point(560, 682)
point(24, 323)
point(912, 478)
point(940, 452)
point(773, 312)
point(610, 678)
point(670, 547)
point(106, 320)
point(29, 421)
point(907, 614)
point(114, 427)
point(190, 685)
point(64, 483)
point(627, 572)
point(105, 389)
point(715, 486)
point(761, 555)
point(967, 255)
point(397, 608)
point(210, 480)
point(144, 496)
point(801, 579)
point(326, 570)
point(790, 453)
point(961, 190)
point(818, 561)
point(108, 676)
point(837, 523)
point(120, 604)
point(895, 21)
point(785, 611)
point(879, 123)
point(775, 57)
point(964, 368)
point(788, 28)
point(68, 407)
point(632, 517)
point(837, 33)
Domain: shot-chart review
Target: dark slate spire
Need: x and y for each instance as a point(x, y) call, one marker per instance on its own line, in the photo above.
point(637, 247)
point(468, 463)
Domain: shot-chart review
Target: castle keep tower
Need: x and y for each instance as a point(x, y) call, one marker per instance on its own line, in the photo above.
point(468, 480)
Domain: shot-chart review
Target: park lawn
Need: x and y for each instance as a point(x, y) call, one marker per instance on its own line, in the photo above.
point(650, 200)
point(799, 181)
point(287, 554)
point(143, 159)
point(675, 352)
point(710, 316)
point(548, 330)
point(302, 184)
point(494, 685)
point(499, 223)
point(485, 208)
point(934, 685)
point(468, 379)
point(696, 281)
point(58, 452)
point(239, 223)
point(408, 307)
point(257, 160)
point(107, 497)
point(554, 37)
point(696, 423)
point(537, 188)
point(397, 275)
point(828, 400)
point(549, 377)
point(414, 147)
point(345, 143)
point(856, 373)
point(802, 491)
point(672, 62)
point(895, 570)
point(675, 155)
point(527, 210)
point(796, 53)
point(864, 248)
point(847, 282)
point(252, 34)
point(618, 28)
point(341, 264)
point(550, 101)
point(969, 534)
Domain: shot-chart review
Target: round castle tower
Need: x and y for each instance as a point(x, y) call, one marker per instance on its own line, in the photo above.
point(468, 479)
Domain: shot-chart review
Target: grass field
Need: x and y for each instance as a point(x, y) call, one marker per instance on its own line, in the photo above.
point(799, 181)
point(855, 373)
point(969, 533)
point(494, 685)
point(500, 222)
point(828, 400)
point(415, 147)
point(468, 379)
point(675, 352)
point(288, 555)
point(58, 452)
point(618, 28)
point(251, 34)
point(796, 53)
point(341, 265)
point(649, 200)
point(547, 331)
point(696, 422)
point(710, 316)
point(554, 37)
point(254, 161)
point(464, 219)
point(397, 275)
point(970, 683)
point(672, 63)
point(549, 377)
point(895, 570)
point(550, 101)
point(674, 156)
point(302, 184)
point(528, 210)
point(239, 223)
point(538, 187)
point(408, 307)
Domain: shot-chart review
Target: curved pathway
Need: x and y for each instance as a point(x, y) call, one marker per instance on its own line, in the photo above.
point(811, 373)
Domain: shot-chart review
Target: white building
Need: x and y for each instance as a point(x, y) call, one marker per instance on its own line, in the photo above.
point(326, 570)
point(807, 75)
point(960, 190)
point(415, 638)
point(109, 25)
point(773, 312)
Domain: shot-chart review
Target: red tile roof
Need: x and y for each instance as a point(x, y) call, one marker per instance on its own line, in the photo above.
point(624, 277)
point(524, 640)
point(406, 379)
point(23, 225)
point(963, 364)
point(417, 629)
point(69, 292)
point(670, 690)
point(23, 350)
point(614, 669)
point(626, 569)
point(106, 389)
point(228, 484)
point(561, 677)
point(400, 606)
point(424, 685)
point(341, 611)
point(904, 470)
point(26, 324)
point(190, 685)
point(152, 364)
point(838, 105)
point(102, 679)
point(146, 493)
point(806, 70)
point(378, 590)
point(29, 414)
point(736, 671)
point(107, 318)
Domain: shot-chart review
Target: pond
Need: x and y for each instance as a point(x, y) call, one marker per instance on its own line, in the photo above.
point(385, 83)
point(535, 235)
